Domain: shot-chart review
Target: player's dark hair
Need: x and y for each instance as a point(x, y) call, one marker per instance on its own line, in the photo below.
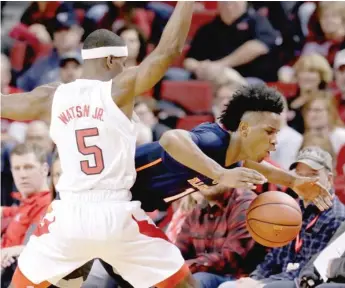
point(256, 98)
point(102, 38)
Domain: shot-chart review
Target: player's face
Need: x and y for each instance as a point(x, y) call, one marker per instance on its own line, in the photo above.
point(28, 173)
point(259, 135)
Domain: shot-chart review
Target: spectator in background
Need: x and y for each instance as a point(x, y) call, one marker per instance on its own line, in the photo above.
point(185, 207)
point(70, 67)
point(6, 76)
point(121, 13)
point(66, 38)
point(312, 139)
point(313, 73)
point(30, 170)
point(214, 240)
point(38, 134)
point(283, 264)
point(236, 39)
point(328, 35)
point(321, 118)
point(222, 98)
point(8, 134)
point(309, 276)
point(42, 12)
point(289, 142)
point(136, 44)
point(144, 108)
point(339, 71)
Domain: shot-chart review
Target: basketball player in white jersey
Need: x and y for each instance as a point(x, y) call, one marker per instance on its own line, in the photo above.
point(92, 126)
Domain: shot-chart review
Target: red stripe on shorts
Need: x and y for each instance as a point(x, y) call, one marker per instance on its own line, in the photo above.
point(175, 279)
point(150, 230)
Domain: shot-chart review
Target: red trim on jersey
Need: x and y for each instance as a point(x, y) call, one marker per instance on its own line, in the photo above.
point(20, 281)
point(175, 279)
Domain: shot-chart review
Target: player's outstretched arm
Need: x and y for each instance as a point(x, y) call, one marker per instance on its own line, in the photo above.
point(180, 146)
point(143, 77)
point(306, 187)
point(34, 105)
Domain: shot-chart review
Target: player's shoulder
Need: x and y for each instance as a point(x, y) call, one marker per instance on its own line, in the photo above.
point(211, 128)
point(211, 134)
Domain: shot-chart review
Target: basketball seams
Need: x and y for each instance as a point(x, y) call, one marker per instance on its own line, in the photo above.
point(285, 225)
point(274, 203)
point(269, 241)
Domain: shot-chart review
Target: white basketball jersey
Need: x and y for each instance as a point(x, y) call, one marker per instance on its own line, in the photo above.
point(95, 140)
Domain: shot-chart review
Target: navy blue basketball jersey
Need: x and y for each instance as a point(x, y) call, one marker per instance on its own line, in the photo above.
point(159, 176)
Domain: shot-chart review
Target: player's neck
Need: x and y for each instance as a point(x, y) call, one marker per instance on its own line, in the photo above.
point(95, 73)
point(234, 152)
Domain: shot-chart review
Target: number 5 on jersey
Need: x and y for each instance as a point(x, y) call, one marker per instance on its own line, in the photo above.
point(89, 150)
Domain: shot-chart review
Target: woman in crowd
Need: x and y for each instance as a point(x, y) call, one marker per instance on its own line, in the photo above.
point(136, 44)
point(321, 118)
point(313, 74)
point(326, 30)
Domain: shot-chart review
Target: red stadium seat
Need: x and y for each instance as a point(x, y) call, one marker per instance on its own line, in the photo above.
point(339, 185)
point(287, 89)
point(199, 19)
point(341, 161)
point(195, 96)
point(17, 55)
point(210, 5)
point(189, 122)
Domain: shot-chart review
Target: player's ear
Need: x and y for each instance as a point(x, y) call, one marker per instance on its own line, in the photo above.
point(243, 129)
point(110, 62)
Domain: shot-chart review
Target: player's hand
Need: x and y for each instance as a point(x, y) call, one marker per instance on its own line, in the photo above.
point(310, 190)
point(241, 178)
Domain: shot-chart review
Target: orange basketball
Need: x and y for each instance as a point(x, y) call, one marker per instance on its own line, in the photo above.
point(274, 219)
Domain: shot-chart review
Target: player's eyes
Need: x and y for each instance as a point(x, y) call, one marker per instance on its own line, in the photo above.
point(269, 132)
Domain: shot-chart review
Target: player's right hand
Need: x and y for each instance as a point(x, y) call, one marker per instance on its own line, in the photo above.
point(241, 178)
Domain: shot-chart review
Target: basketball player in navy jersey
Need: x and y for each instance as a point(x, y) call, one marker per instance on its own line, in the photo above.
point(195, 160)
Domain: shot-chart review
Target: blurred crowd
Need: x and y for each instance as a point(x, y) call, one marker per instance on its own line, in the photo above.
point(297, 47)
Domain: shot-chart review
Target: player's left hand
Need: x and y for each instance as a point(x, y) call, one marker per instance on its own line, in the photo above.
point(310, 190)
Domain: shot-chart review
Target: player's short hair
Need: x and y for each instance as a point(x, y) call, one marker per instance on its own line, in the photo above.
point(102, 38)
point(252, 98)
point(26, 148)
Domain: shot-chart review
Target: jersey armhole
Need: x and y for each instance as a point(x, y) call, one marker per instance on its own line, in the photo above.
point(110, 101)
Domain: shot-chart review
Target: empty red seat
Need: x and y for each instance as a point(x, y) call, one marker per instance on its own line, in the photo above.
point(339, 185)
point(194, 96)
point(189, 122)
point(287, 89)
point(210, 5)
point(199, 19)
point(17, 55)
point(341, 162)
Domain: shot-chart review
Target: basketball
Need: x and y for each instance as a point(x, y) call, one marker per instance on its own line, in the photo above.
point(274, 219)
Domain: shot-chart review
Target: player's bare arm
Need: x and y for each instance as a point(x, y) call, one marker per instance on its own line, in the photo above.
point(180, 145)
point(137, 80)
point(306, 187)
point(33, 105)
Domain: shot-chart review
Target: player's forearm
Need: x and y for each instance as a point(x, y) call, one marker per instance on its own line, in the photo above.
point(181, 147)
point(176, 30)
point(273, 174)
